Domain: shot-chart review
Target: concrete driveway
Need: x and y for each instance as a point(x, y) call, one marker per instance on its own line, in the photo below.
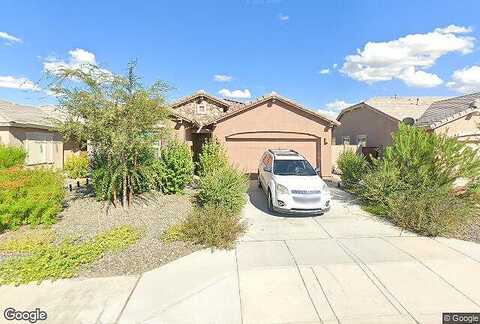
point(341, 267)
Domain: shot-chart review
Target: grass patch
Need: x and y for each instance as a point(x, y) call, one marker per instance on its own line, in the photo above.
point(64, 260)
point(27, 242)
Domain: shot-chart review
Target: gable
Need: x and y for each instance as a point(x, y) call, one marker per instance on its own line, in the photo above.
point(210, 109)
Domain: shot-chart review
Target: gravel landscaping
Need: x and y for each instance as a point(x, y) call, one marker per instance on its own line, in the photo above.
point(151, 213)
point(469, 231)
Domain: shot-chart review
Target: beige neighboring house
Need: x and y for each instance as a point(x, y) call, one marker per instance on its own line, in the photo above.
point(457, 117)
point(29, 127)
point(372, 122)
point(247, 129)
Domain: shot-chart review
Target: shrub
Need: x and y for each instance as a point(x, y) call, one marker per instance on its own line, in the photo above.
point(353, 167)
point(210, 226)
point(225, 188)
point(64, 260)
point(176, 167)
point(212, 157)
point(27, 242)
point(30, 196)
point(76, 166)
point(12, 156)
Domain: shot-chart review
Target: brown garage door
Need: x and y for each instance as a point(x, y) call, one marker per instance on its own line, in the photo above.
point(246, 153)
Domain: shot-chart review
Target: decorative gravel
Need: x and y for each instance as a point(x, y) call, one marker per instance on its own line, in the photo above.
point(152, 214)
point(469, 231)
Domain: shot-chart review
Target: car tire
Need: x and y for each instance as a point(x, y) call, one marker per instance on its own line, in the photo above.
point(270, 201)
point(259, 183)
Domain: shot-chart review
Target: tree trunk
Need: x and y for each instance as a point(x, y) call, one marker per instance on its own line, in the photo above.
point(124, 194)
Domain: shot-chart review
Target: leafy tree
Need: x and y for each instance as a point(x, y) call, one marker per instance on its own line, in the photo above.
point(119, 118)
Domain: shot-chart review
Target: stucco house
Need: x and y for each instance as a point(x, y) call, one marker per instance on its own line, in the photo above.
point(457, 117)
point(30, 127)
point(371, 123)
point(247, 129)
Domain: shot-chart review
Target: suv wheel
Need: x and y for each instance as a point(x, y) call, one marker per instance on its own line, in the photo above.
point(269, 200)
point(259, 183)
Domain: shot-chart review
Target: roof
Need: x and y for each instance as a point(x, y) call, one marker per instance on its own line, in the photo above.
point(396, 107)
point(203, 93)
point(443, 111)
point(12, 114)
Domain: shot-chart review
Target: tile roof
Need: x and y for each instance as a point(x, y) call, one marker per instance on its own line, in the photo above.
point(443, 111)
point(14, 114)
point(402, 107)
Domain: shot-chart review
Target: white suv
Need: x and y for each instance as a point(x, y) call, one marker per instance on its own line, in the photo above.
point(291, 184)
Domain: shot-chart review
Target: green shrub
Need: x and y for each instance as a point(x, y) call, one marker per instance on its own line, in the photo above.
point(210, 226)
point(64, 260)
point(27, 242)
point(30, 196)
point(225, 188)
point(12, 156)
point(76, 166)
point(212, 157)
point(353, 167)
point(176, 167)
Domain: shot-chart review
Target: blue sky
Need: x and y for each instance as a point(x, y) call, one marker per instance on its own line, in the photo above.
point(365, 48)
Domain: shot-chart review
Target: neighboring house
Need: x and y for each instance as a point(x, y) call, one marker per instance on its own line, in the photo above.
point(372, 122)
point(29, 127)
point(248, 129)
point(457, 117)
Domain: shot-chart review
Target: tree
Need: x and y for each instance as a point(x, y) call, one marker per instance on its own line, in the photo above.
point(120, 118)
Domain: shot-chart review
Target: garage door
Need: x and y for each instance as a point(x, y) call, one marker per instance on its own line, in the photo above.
point(246, 153)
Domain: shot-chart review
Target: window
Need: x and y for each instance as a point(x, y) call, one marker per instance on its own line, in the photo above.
point(201, 109)
point(362, 140)
point(346, 140)
point(293, 168)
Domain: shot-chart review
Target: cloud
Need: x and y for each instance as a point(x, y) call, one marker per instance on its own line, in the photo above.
point(466, 80)
point(283, 17)
point(78, 59)
point(334, 66)
point(10, 38)
point(242, 94)
point(17, 83)
point(406, 57)
point(333, 108)
point(324, 71)
point(222, 78)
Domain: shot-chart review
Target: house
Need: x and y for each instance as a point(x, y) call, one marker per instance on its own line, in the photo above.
point(30, 128)
point(247, 129)
point(371, 123)
point(457, 117)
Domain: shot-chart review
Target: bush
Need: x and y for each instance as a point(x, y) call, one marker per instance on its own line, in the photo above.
point(225, 187)
point(64, 260)
point(76, 166)
point(210, 226)
point(30, 196)
point(176, 167)
point(353, 167)
point(212, 157)
point(12, 156)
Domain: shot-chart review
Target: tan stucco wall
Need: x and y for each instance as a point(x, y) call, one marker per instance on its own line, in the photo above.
point(337, 150)
point(464, 128)
point(279, 122)
point(365, 121)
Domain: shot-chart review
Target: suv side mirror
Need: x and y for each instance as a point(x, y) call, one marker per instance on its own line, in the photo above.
point(267, 169)
point(317, 170)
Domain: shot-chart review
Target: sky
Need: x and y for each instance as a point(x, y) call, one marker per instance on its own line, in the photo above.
point(325, 55)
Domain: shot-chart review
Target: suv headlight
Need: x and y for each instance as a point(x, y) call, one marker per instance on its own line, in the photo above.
point(281, 189)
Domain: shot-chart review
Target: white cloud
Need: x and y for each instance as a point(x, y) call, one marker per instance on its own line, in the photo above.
point(333, 108)
point(466, 80)
point(9, 38)
point(242, 94)
point(17, 83)
point(334, 66)
point(78, 59)
point(404, 58)
point(324, 71)
point(284, 17)
point(222, 78)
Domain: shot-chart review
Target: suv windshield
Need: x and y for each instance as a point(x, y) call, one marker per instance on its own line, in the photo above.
point(293, 168)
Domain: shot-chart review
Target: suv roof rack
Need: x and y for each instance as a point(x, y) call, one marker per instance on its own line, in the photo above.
point(283, 152)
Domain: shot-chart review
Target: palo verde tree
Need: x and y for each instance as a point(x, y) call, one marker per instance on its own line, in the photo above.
point(120, 119)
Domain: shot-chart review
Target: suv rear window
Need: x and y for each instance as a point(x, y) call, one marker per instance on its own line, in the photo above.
point(293, 168)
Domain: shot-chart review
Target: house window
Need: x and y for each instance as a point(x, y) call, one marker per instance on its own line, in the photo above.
point(201, 109)
point(346, 140)
point(362, 140)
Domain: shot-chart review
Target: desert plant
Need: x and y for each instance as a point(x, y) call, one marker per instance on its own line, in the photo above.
point(11, 156)
point(30, 196)
point(225, 187)
point(353, 167)
point(212, 157)
point(176, 167)
point(76, 166)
